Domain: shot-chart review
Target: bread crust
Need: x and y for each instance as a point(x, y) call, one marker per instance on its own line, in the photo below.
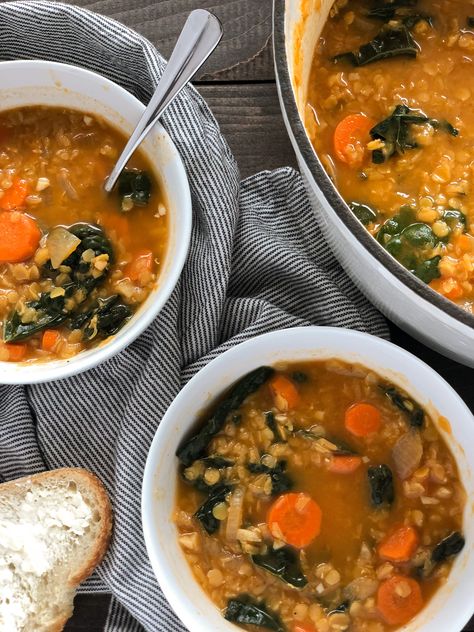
point(84, 480)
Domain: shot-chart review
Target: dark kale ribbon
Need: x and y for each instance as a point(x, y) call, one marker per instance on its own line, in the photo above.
point(217, 494)
point(136, 186)
point(104, 319)
point(395, 132)
point(284, 563)
point(387, 10)
point(414, 413)
point(381, 485)
point(281, 482)
point(247, 611)
point(195, 447)
point(51, 310)
point(411, 243)
point(391, 41)
point(448, 547)
point(363, 212)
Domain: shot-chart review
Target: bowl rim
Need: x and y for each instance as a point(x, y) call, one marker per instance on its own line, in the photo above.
point(156, 545)
point(47, 371)
point(331, 193)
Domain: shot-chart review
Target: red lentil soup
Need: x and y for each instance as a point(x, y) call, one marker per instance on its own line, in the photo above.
point(75, 263)
point(317, 497)
point(388, 113)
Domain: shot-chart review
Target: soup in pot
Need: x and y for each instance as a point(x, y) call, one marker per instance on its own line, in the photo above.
point(388, 111)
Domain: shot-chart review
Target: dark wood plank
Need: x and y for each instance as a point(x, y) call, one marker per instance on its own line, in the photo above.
point(249, 117)
point(244, 52)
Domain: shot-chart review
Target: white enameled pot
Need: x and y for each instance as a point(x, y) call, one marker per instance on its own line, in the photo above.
point(450, 607)
point(24, 83)
point(408, 302)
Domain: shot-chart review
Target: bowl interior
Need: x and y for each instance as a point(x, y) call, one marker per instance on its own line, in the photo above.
point(25, 83)
point(449, 609)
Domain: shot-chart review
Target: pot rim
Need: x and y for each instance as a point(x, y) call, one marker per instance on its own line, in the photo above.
point(331, 193)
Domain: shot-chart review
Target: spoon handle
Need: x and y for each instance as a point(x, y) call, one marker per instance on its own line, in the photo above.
point(199, 37)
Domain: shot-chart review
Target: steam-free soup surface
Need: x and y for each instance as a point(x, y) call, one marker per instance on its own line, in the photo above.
point(410, 180)
point(75, 263)
point(319, 498)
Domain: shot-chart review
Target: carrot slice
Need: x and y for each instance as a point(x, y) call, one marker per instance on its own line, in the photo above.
point(15, 196)
point(350, 137)
point(399, 599)
point(16, 351)
point(304, 627)
point(345, 464)
point(400, 545)
point(19, 237)
point(285, 393)
point(295, 518)
point(143, 262)
point(362, 419)
point(49, 339)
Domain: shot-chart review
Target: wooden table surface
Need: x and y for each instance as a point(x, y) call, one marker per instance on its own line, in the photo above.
point(239, 85)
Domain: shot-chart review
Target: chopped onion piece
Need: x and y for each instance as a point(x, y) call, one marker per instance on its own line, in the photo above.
point(60, 244)
point(234, 515)
point(407, 453)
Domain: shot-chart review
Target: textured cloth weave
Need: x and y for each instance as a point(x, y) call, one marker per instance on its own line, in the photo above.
point(257, 262)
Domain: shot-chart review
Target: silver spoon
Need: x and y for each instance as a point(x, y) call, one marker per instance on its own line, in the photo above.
point(199, 37)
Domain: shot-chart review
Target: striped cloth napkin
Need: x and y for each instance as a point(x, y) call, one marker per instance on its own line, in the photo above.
point(257, 262)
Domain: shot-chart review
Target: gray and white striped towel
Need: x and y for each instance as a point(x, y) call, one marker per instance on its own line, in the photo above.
point(257, 262)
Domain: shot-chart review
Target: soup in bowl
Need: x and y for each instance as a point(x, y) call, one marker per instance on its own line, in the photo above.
point(324, 490)
point(82, 272)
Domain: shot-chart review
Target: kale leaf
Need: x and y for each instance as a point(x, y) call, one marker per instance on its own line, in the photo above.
point(363, 212)
point(415, 414)
point(281, 482)
point(391, 41)
point(283, 563)
point(247, 611)
point(104, 319)
point(217, 494)
point(134, 187)
point(381, 485)
point(195, 447)
point(448, 547)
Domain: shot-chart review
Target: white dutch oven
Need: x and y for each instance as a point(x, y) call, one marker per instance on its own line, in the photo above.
point(25, 83)
point(408, 302)
point(451, 606)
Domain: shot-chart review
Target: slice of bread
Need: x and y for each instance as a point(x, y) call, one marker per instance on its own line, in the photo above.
point(54, 529)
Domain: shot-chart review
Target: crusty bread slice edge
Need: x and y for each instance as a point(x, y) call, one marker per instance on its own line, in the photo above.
point(83, 479)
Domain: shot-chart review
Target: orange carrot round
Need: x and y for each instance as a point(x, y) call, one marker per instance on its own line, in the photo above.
point(362, 419)
point(399, 545)
point(285, 393)
point(350, 137)
point(344, 464)
point(16, 351)
point(15, 196)
point(399, 599)
point(49, 339)
point(143, 262)
point(19, 237)
point(295, 518)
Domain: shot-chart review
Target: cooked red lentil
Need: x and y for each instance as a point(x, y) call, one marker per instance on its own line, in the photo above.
point(388, 112)
point(75, 263)
point(317, 497)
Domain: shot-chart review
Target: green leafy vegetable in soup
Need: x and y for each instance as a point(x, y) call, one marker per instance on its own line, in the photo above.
point(73, 267)
point(333, 498)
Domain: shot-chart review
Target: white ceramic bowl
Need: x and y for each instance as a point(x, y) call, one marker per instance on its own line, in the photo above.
point(25, 83)
point(406, 300)
point(450, 608)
